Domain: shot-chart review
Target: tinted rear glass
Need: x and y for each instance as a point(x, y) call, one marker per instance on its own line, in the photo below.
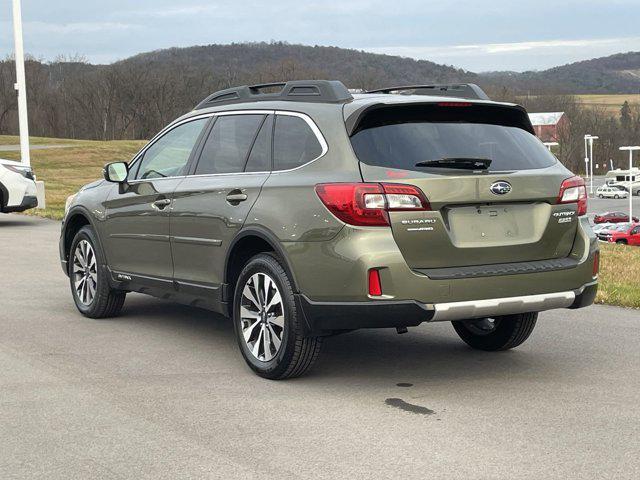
point(401, 138)
point(294, 143)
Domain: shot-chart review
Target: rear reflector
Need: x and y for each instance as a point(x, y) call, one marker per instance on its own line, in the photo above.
point(596, 264)
point(368, 204)
point(573, 190)
point(375, 288)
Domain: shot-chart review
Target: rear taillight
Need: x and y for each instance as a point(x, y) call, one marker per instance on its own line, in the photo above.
point(367, 204)
point(573, 190)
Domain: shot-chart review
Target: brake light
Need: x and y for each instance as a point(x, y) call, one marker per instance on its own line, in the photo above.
point(368, 204)
point(573, 190)
point(454, 104)
point(375, 287)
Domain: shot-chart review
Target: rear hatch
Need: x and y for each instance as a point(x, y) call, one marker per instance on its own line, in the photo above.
point(501, 214)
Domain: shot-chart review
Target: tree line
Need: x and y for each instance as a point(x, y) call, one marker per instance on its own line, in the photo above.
point(133, 99)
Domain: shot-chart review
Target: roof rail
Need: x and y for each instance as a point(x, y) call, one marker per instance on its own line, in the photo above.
point(459, 90)
point(318, 91)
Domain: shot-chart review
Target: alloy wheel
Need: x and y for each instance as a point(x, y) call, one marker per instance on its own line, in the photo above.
point(262, 317)
point(85, 272)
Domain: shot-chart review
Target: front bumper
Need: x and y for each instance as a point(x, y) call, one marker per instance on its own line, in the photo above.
point(27, 203)
point(326, 317)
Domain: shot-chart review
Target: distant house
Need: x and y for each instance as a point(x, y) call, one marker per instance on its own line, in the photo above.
point(549, 126)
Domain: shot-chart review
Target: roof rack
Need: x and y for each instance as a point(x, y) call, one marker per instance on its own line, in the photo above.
point(318, 91)
point(459, 90)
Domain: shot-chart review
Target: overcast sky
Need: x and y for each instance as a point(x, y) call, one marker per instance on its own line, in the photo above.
point(475, 35)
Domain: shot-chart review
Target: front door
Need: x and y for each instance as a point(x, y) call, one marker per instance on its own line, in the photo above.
point(211, 205)
point(137, 212)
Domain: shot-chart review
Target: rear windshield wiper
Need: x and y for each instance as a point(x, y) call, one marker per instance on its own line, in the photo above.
point(462, 163)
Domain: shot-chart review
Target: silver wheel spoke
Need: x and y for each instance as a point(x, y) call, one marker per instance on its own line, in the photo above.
point(248, 294)
point(278, 320)
point(275, 300)
point(274, 338)
point(247, 332)
point(256, 345)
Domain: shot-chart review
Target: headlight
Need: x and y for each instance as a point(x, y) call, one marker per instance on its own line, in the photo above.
point(67, 203)
point(23, 170)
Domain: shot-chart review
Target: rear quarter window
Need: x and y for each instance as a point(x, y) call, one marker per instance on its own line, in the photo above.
point(294, 143)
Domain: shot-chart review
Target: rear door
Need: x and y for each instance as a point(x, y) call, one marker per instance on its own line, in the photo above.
point(505, 214)
point(212, 203)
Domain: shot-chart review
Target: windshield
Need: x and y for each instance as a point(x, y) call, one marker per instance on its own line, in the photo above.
point(403, 145)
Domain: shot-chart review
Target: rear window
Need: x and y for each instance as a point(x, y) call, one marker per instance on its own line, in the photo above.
point(402, 137)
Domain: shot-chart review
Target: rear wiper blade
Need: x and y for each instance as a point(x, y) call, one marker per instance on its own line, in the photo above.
point(462, 163)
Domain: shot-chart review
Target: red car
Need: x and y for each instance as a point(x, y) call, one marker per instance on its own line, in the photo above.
point(613, 217)
point(628, 236)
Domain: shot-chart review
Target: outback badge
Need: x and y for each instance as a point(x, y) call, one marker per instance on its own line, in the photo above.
point(500, 188)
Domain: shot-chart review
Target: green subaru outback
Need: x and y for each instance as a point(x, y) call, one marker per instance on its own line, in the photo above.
point(301, 211)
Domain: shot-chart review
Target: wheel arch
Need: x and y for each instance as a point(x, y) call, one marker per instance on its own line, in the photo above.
point(4, 196)
point(246, 244)
point(76, 219)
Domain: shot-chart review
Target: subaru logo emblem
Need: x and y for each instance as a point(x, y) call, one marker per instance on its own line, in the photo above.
point(500, 188)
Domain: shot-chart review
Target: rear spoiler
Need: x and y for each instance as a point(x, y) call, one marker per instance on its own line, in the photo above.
point(469, 91)
point(512, 115)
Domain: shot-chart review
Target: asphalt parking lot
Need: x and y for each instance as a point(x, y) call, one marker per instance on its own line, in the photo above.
point(162, 393)
point(601, 205)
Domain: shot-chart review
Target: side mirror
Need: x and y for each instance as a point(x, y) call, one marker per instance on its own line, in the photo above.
point(116, 172)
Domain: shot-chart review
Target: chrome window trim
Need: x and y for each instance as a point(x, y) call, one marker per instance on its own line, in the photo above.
point(308, 120)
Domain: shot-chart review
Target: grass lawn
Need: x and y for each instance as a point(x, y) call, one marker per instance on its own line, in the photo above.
point(65, 170)
point(619, 275)
point(612, 103)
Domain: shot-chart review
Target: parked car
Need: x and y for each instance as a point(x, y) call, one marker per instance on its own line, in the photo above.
point(602, 226)
point(630, 235)
point(606, 191)
point(613, 217)
point(309, 211)
point(17, 187)
point(605, 234)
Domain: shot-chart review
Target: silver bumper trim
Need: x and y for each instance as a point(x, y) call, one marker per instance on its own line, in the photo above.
point(446, 312)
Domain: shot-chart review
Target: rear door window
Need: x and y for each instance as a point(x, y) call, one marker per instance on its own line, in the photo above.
point(403, 137)
point(294, 143)
point(228, 144)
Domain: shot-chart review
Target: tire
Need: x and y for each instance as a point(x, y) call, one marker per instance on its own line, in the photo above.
point(621, 242)
point(616, 196)
point(601, 196)
point(295, 353)
point(106, 302)
point(505, 333)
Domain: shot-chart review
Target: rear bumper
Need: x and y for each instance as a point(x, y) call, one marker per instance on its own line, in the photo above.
point(326, 317)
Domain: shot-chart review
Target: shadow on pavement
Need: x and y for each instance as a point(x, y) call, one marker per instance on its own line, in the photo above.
point(427, 353)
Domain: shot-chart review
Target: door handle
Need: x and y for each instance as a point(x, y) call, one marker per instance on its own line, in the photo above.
point(236, 197)
point(160, 204)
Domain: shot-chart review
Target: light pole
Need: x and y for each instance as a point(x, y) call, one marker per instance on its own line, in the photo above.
point(21, 85)
point(586, 155)
point(590, 138)
point(630, 150)
point(550, 144)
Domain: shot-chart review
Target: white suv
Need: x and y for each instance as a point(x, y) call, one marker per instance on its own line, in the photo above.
point(17, 187)
point(607, 191)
